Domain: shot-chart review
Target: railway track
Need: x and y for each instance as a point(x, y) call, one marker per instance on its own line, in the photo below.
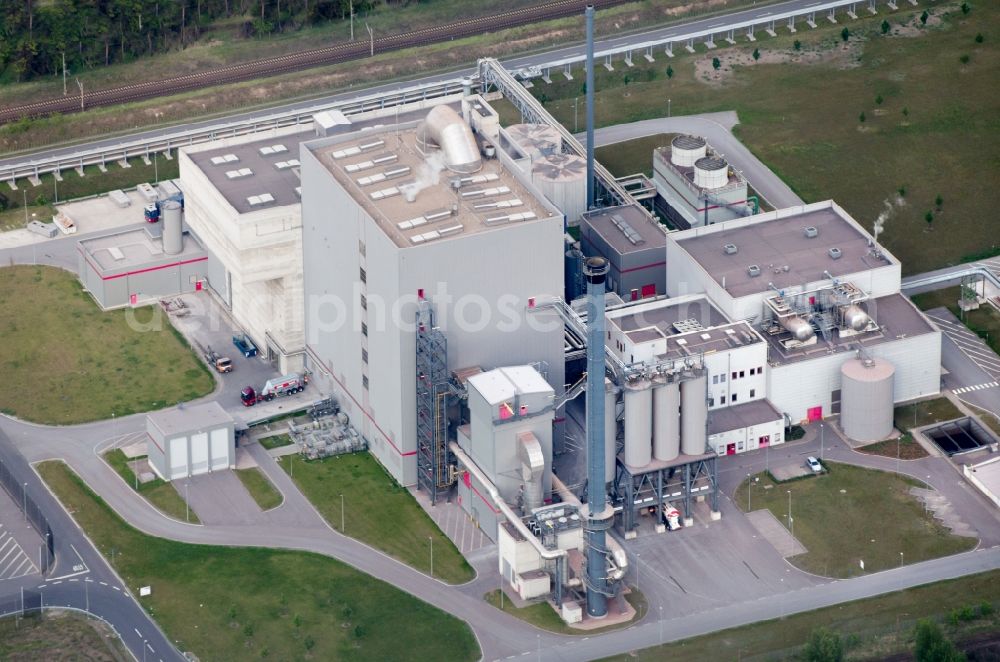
point(303, 60)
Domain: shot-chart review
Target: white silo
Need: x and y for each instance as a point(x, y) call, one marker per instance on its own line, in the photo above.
point(536, 140)
point(610, 430)
point(685, 150)
point(866, 398)
point(694, 416)
point(562, 178)
point(638, 423)
point(666, 421)
point(711, 172)
point(173, 230)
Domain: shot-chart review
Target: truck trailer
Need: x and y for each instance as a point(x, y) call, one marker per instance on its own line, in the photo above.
point(285, 385)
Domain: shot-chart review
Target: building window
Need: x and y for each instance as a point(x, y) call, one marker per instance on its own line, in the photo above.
point(722, 400)
point(752, 371)
point(753, 392)
point(364, 329)
point(742, 374)
point(711, 402)
point(364, 302)
point(722, 378)
point(715, 379)
point(734, 374)
point(361, 247)
point(364, 276)
point(364, 382)
point(734, 397)
point(364, 355)
point(760, 370)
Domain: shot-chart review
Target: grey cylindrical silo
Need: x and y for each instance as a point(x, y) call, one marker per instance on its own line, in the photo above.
point(610, 431)
point(173, 239)
point(866, 399)
point(638, 423)
point(666, 421)
point(694, 416)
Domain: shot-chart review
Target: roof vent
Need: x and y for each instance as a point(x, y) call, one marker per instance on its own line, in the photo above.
point(753, 270)
point(730, 249)
point(810, 231)
point(835, 253)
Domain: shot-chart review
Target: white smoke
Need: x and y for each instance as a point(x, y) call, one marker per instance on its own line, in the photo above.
point(428, 174)
point(888, 208)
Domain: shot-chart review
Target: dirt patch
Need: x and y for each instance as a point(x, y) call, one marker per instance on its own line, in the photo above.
point(913, 27)
point(843, 56)
point(704, 6)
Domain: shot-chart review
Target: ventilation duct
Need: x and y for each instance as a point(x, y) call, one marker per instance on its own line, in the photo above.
point(444, 129)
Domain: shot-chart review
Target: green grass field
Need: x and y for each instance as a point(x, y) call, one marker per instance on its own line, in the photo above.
point(225, 603)
point(157, 491)
point(984, 322)
point(377, 511)
point(275, 441)
point(924, 412)
point(543, 616)
point(260, 488)
point(873, 629)
point(14, 219)
point(803, 119)
point(65, 636)
point(906, 448)
point(852, 514)
point(65, 361)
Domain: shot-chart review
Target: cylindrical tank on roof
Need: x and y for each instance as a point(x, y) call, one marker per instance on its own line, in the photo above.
point(800, 329)
point(562, 178)
point(638, 423)
point(666, 421)
point(711, 172)
point(694, 416)
point(685, 150)
point(173, 229)
point(536, 140)
point(866, 398)
point(610, 431)
point(855, 317)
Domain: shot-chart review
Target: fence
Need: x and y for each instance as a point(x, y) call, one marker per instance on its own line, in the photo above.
point(19, 493)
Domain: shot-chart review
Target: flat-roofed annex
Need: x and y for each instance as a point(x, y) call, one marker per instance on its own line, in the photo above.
point(377, 168)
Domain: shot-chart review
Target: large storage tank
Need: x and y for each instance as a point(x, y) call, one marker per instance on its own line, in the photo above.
point(666, 421)
point(536, 140)
point(685, 150)
point(173, 229)
point(711, 172)
point(866, 399)
point(562, 178)
point(638, 423)
point(694, 416)
point(610, 431)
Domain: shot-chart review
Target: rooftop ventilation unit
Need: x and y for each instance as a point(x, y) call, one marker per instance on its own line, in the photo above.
point(225, 158)
point(835, 253)
point(486, 192)
point(500, 204)
point(687, 326)
point(262, 199)
point(382, 159)
point(285, 165)
point(810, 232)
point(436, 234)
point(382, 194)
point(236, 174)
point(509, 218)
point(475, 179)
point(634, 237)
point(392, 173)
point(354, 151)
point(428, 217)
point(730, 249)
point(272, 149)
point(753, 270)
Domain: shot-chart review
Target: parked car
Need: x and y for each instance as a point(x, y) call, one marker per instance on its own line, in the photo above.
point(814, 465)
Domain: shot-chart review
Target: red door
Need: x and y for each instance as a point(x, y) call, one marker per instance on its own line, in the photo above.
point(764, 441)
point(730, 449)
point(814, 414)
point(197, 286)
point(648, 291)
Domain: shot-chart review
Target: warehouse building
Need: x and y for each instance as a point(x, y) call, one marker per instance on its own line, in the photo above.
point(189, 441)
point(440, 242)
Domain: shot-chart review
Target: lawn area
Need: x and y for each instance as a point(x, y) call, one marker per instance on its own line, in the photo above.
point(876, 628)
point(852, 514)
point(924, 412)
point(543, 616)
point(65, 361)
point(56, 637)
point(260, 488)
point(907, 448)
point(800, 113)
point(157, 491)
point(226, 603)
point(13, 219)
point(377, 511)
point(275, 441)
point(989, 419)
point(984, 322)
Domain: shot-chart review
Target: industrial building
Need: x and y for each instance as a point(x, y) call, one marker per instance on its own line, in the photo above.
point(189, 441)
point(634, 245)
point(440, 243)
point(136, 267)
point(242, 202)
point(698, 184)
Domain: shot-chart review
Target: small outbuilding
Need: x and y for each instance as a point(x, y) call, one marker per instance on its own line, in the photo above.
point(190, 441)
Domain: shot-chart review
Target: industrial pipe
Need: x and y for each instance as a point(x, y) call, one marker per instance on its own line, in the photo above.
point(618, 556)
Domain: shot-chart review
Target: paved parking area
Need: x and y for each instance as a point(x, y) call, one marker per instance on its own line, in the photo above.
point(219, 498)
point(969, 343)
point(455, 523)
point(19, 544)
point(775, 533)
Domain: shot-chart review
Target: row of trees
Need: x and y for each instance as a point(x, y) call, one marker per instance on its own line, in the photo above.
point(36, 36)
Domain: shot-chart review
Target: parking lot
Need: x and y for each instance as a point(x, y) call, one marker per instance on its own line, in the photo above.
point(19, 544)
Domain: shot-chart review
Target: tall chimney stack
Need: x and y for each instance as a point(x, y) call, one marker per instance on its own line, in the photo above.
point(590, 107)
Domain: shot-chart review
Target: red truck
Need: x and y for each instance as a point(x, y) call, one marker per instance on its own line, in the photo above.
point(286, 385)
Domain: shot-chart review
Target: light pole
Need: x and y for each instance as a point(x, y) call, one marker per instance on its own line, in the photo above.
point(352, 20)
point(668, 107)
point(143, 650)
point(187, 504)
point(749, 485)
point(341, 513)
point(822, 439)
point(576, 107)
point(24, 198)
point(901, 559)
point(637, 572)
point(156, 169)
point(24, 501)
point(86, 593)
point(371, 41)
point(661, 623)
point(34, 248)
point(791, 522)
point(431, 538)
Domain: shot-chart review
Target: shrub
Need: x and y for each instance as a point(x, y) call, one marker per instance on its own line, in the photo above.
point(845, 34)
point(879, 100)
point(797, 45)
point(716, 63)
point(964, 59)
point(861, 117)
point(885, 27)
point(924, 17)
point(670, 71)
point(824, 645)
point(756, 54)
point(966, 8)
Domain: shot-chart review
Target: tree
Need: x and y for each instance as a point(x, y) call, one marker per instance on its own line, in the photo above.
point(964, 59)
point(861, 117)
point(670, 72)
point(797, 45)
point(885, 27)
point(923, 17)
point(845, 34)
point(906, 111)
point(309, 642)
point(929, 217)
point(756, 54)
point(879, 100)
point(938, 201)
point(932, 646)
point(824, 645)
point(715, 63)
point(979, 38)
point(902, 191)
point(966, 8)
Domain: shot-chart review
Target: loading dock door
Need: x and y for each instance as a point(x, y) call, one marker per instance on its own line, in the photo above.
point(220, 449)
point(199, 453)
point(178, 458)
point(814, 414)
